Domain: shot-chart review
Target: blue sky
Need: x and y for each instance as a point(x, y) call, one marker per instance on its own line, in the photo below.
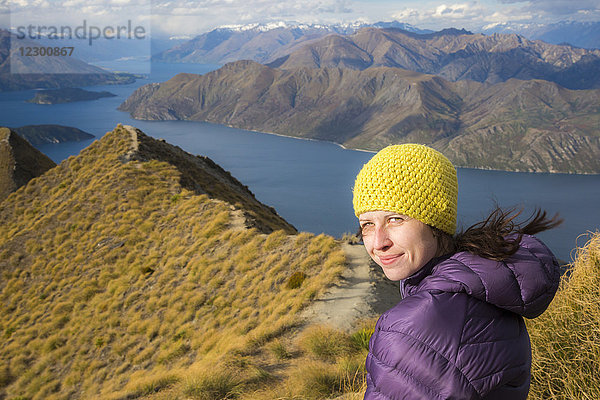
point(188, 17)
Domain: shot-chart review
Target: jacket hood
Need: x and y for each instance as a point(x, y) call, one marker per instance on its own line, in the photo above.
point(524, 283)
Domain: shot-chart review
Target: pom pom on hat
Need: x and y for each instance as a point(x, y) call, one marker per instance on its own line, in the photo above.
point(410, 179)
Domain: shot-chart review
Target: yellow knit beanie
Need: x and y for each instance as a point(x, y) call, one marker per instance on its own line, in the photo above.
point(410, 179)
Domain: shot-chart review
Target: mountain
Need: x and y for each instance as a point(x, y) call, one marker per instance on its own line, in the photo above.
point(515, 125)
point(579, 34)
point(259, 42)
point(50, 72)
point(42, 134)
point(135, 267)
point(19, 162)
point(454, 55)
point(67, 95)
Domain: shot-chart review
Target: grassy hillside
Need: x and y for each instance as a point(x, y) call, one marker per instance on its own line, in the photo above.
point(566, 338)
point(122, 276)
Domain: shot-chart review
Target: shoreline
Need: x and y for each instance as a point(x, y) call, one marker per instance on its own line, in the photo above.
point(374, 151)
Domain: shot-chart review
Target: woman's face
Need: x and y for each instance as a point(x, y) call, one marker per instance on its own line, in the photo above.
point(400, 245)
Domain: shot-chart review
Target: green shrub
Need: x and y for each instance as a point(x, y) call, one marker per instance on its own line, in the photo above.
point(361, 338)
point(296, 280)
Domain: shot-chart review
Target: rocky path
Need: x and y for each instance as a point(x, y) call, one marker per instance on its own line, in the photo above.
point(363, 292)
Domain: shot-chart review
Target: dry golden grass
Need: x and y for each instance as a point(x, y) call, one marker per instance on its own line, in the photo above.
point(115, 282)
point(320, 362)
point(566, 338)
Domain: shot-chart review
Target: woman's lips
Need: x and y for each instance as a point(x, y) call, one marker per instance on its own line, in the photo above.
point(387, 260)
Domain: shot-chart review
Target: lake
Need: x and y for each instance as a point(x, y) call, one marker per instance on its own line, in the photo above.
point(309, 183)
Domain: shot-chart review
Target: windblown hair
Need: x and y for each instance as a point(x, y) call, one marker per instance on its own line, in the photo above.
point(499, 235)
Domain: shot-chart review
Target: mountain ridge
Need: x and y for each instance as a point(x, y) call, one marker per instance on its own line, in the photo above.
point(19, 162)
point(258, 42)
point(50, 72)
point(213, 181)
point(453, 55)
point(48, 133)
point(369, 109)
point(584, 34)
point(146, 265)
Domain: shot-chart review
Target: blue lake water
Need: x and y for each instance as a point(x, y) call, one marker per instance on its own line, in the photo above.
point(309, 182)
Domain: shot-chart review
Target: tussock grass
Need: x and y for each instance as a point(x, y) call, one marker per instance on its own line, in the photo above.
point(360, 338)
point(216, 384)
point(350, 238)
point(116, 280)
point(566, 338)
point(325, 363)
point(277, 347)
point(326, 343)
point(151, 384)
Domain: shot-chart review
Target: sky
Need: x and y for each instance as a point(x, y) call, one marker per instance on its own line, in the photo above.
point(191, 17)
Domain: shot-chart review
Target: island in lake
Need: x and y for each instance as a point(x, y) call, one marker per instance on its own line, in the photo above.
point(67, 95)
point(42, 134)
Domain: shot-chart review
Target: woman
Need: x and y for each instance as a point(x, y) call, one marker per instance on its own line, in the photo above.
point(458, 332)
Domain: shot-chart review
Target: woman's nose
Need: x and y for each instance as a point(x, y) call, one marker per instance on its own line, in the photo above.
point(381, 241)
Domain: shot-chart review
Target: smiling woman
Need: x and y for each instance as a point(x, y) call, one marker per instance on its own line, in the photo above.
point(399, 244)
point(458, 332)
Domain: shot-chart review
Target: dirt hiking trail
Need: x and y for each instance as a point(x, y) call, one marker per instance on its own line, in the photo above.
point(362, 292)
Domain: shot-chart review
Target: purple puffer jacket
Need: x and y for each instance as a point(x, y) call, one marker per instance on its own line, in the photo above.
point(458, 332)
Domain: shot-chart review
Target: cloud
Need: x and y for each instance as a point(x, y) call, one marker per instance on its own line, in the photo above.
point(75, 12)
point(191, 17)
point(468, 14)
point(458, 11)
point(183, 16)
point(475, 14)
point(557, 8)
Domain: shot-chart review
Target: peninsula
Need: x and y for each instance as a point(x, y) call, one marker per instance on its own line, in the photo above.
point(67, 95)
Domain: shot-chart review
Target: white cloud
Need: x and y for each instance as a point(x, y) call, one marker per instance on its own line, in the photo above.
point(191, 17)
point(557, 9)
point(45, 13)
point(437, 16)
point(406, 14)
point(185, 17)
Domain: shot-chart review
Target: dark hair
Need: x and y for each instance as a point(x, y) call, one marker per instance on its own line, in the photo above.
point(498, 236)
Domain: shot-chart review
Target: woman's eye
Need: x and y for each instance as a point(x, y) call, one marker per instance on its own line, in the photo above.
point(366, 227)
